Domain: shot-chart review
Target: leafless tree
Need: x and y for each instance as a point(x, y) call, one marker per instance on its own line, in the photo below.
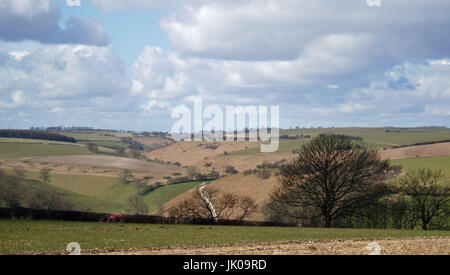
point(124, 176)
point(44, 175)
point(192, 172)
point(137, 205)
point(330, 177)
point(247, 207)
point(430, 198)
point(210, 203)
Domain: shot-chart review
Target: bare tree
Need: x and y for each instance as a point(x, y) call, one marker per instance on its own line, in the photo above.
point(124, 176)
point(430, 198)
point(44, 175)
point(92, 147)
point(192, 172)
point(330, 177)
point(137, 205)
point(247, 207)
point(210, 203)
point(19, 173)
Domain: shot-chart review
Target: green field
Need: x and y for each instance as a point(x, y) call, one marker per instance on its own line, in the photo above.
point(436, 163)
point(374, 137)
point(26, 150)
point(378, 137)
point(164, 194)
point(107, 194)
point(46, 236)
point(91, 136)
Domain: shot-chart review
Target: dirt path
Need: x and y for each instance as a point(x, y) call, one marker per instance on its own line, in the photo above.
point(402, 246)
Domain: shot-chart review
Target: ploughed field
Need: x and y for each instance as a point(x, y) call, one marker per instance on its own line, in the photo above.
point(109, 161)
point(49, 237)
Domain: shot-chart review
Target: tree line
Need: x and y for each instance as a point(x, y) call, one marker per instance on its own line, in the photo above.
point(334, 182)
point(30, 134)
point(16, 192)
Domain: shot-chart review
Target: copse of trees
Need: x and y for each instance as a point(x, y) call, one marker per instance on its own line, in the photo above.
point(330, 177)
point(335, 182)
point(16, 193)
point(30, 134)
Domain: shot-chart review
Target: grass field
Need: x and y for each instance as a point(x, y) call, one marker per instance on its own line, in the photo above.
point(164, 194)
point(94, 136)
point(27, 150)
point(108, 194)
point(378, 137)
point(47, 236)
point(442, 163)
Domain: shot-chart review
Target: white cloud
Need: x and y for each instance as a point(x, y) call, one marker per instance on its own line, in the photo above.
point(41, 20)
point(18, 55)
point(270, 29)
point(25, 8)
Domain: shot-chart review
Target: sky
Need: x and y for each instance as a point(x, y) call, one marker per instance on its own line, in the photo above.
point(125, 65)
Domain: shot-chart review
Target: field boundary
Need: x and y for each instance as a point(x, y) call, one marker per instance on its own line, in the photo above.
point(77, 216)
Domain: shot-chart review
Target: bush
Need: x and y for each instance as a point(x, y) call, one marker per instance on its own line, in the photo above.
point(231, 170)
point(265, 174)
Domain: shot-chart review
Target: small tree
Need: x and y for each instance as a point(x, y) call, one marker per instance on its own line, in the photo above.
point(429, 197)
point(192, 172)
point(230, 170)
point(247, 207)
point(124, 176)
point(136, 153)
point(44, 175)
point(92, 147)
point(137, 205)
point(19, 173)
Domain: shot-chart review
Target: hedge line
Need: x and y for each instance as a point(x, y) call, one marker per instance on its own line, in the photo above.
point(29, 134)
point(76, 216)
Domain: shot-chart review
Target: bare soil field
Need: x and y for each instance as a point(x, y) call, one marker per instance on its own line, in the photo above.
point(199, 153)
point(400, 246)
point(258, 189)
point(153, 142)
point(109, 161)
point(421, 151)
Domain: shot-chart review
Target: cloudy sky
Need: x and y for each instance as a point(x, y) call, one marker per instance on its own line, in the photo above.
point(124, 64)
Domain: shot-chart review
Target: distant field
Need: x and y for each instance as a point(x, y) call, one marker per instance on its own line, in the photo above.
point(27, 150)
point(421, 151)
point(379, 137)
point(108, 194)
point(45, 236)
point(164, 194)
point(90, 136)
point(442, 163)
point(110, 161)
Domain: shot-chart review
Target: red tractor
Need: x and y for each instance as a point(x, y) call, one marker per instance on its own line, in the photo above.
point(115, 218)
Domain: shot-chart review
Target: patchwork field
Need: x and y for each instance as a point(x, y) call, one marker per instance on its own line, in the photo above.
point(37, 237)
point(198, 153)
